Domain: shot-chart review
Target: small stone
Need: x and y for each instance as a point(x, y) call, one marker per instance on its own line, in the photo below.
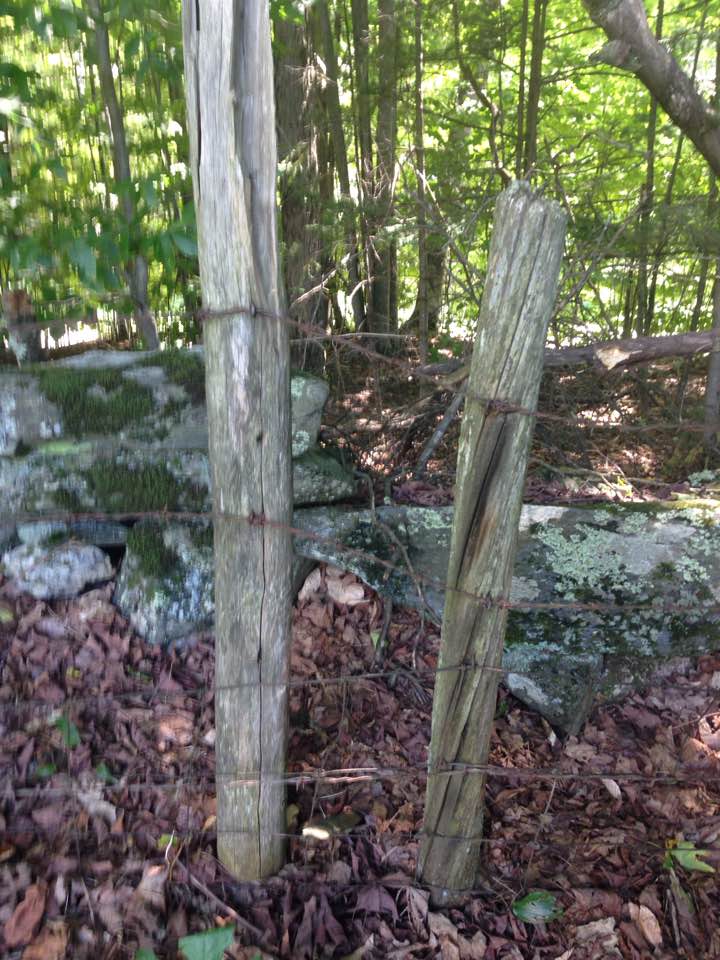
point(48, 572)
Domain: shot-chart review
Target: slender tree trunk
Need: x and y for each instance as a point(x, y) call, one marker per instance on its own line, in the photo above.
point(337, 133)
point(361, 63)
point(534, 86)
point(137, 270)
point(712, 390)
point(644, 312)
point(303, 180)
point(520, 143)
point(421, 304)
point(231, 122)
point(383, 249)
point(523, 268)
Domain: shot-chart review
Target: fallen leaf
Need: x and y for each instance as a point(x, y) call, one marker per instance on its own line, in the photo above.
point(612, 788)
point(50, 944)
point(646, 920)
point(23, 923)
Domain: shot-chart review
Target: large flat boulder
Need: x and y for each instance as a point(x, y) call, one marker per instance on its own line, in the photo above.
point(654, 571)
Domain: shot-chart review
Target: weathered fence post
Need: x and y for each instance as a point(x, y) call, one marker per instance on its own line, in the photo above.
point(507, 362)
point(231, 119)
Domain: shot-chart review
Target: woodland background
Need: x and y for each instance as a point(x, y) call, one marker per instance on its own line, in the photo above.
point(398, 125)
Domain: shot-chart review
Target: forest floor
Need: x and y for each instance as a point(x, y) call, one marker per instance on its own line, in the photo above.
point(107, 811)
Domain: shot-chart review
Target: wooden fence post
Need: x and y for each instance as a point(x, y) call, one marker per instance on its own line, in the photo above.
point(507, 362)
point(231, 121)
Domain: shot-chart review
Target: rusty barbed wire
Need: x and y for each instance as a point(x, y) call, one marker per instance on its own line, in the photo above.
point(694, 608)
point(682, 774)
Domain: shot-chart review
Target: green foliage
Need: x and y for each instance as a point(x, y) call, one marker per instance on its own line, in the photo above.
point(65, 229)
point(94, 401)
point(537, 907)
point(69, 732)
point(145, 953)
point(685, 854)
point(208, 945)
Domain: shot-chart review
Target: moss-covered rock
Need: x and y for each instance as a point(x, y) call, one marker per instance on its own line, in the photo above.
point(152, 398)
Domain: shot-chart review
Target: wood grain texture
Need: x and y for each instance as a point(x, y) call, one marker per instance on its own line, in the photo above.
point(507, 363)
point(229, 90)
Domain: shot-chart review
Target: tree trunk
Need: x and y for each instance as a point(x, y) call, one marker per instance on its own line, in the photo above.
point(534, 86)
point(383, 248)
point(337, 132)
point(520, 142)
point(137, 270)
point(522, 275)
point(421, 304)
point(305, 182)
point(633, 47)
point(645, 307)
point(712, 390)
point(231, 121)
point(364, 154)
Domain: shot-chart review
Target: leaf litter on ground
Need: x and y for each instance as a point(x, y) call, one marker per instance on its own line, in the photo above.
point(108, 837)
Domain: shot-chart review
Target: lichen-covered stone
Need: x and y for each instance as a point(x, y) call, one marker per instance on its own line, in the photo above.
point(319, 478)
point(308, 398)
point(638, 560)
point(90, 477)
point(26, 416)
point(101, 533)
point(166, 583)
point(152, 398)
point(56, 571)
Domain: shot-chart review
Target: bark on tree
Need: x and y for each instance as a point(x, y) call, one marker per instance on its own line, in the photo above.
point(523, 268)
point(631, 46)
point(137, 269)
point(231, 121)
point(383, 249)
point(421, 303)
point(305, 182)
point(645, 298)
point(534, 86)
point(712, 388)
point(337, 132)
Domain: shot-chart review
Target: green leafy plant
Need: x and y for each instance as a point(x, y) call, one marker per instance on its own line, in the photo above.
point(538, 906)
point(208, 945)
point(69, 732)
point(685, 854)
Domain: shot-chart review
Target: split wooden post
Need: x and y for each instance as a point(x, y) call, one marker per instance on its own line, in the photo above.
point(507, 362)
point(231, 120)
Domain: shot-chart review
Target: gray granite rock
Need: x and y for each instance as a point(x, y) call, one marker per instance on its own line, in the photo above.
point(49, 572)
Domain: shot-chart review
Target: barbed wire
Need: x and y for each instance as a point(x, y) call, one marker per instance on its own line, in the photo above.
point(682, 774)
point(693, 608)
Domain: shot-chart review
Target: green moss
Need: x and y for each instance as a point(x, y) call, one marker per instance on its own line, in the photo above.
point(151, 487)
point(145, 540)
point(94, 401)
point(183, 368)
